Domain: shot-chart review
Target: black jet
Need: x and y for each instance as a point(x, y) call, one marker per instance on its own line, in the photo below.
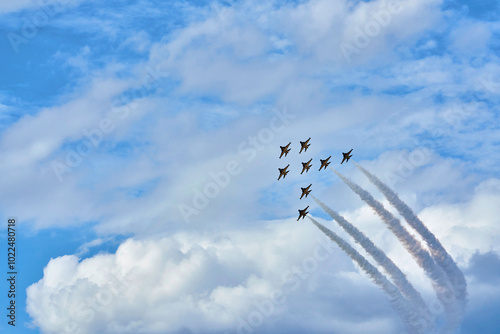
point(306, 166)
point(285, 149)
point(324, 163)
point(283, 171)
point(346, 156)
point(303, 213)
point(305, 191)
point(304, 145)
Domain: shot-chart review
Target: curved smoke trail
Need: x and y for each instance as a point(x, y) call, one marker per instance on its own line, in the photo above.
point(398, 302)
point(378, 255)
point(439, 280)
point(439, 253)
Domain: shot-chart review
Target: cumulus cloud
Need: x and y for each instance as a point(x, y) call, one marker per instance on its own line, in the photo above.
point(199, 283)
point(210, 282)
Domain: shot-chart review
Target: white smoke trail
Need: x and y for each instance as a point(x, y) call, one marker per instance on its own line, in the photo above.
point(378, 255)
point(398, 302)
point(438, 278)
point(439, 253)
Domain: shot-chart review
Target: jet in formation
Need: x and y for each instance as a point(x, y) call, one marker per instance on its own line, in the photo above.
point(285, 149)
point(325, 163)
point(304, 145)
point(303, 213)
point(347, 156)
point(306, 166)
point(305, 191)
point(283, 171)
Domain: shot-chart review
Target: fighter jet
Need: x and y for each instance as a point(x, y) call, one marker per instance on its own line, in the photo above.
point(305, 191)
point(283, 171)
point(306, 166)
point(304, 145)
point(324, 163)
point(303, 213)
point(346, 156)
point(285, 149)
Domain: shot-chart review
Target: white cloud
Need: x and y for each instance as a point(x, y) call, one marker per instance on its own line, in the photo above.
point(250, 59)
point(138, 41)
point(236, 63)
point(471, 38)
point(197, 282)
point(467, 227)
point(83, 249)
point(209, 282)
point(81, 60)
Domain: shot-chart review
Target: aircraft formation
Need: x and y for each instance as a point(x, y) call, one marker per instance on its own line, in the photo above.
point(304, 145)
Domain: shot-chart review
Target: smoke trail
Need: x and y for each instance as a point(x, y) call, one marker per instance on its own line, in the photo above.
point(398, 302)
point(438, 278)
point(440, 255)
point(378, 255)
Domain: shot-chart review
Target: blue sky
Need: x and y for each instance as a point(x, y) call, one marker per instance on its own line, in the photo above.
point(140, 145)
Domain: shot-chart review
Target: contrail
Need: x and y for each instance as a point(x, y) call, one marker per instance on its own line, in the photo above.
point(378, 255)
point(398, 302)
point(439, 279)
point(439, 253)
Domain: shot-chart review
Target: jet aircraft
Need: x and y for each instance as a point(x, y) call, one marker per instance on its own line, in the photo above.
point(304, 145)
point(303, 213)
point(324, 163)
point(306, 166)
point(306, 191)
point(346, 156)
point(283, 171)
point(285, 149)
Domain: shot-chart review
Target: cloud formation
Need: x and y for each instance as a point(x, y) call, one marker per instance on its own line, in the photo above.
point(191, 87)
point(183, 273)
